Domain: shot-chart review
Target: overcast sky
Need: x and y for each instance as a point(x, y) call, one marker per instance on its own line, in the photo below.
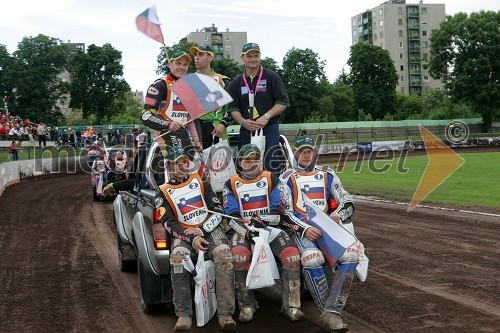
point(323, 26)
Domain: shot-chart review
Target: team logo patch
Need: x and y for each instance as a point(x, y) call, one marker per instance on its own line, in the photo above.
point(318, 176)
point(261, 184)
point(153, 91)
point(150, 101)
point(237, 184)
point(158, 202)
point(193, 185)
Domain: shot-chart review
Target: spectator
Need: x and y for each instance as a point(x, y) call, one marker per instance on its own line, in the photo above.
point(13, 133)
point(78, 134)
point(41, 131)
point(65, 138)
point(117, 133)
point(13, 151)
point(3, 132)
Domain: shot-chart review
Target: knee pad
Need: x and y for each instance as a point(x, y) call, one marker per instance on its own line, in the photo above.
point(290, 258)
point(242, 258)
point(176, 255)
point(351, 255)
point(222, 253)
point(312, 258)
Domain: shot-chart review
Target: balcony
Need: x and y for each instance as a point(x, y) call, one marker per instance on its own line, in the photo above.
point(415, 71)
point(414, 37)
point(415, 59)
point(413, 14)
point(413, 26)
point(414, 48)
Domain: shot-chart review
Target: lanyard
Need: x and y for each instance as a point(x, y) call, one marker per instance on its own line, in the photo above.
point(251, 93)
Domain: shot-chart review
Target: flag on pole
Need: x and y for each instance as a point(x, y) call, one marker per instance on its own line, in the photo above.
point(147, 23)
point(200, 94)
point(335, 239)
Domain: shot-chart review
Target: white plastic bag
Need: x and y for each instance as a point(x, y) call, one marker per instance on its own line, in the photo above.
point(219, 161)
point(259, 140)
point(205, 300)
point(362, 268)
point(263, 270)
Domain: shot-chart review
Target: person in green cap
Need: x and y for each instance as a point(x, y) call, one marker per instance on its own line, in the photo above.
point(259, 98)
point(322, 186)
point(183, 205)
point(216, 122)
point(254, 198)
point(163, 110)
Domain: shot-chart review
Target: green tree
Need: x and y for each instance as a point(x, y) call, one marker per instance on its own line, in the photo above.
point(6, 85)
point(408, 107)
point(161, 60)
point(373, 78)
point(130, 110)
point(97, 82)
point(436, 104)
point(227, 67)
point(40, 91)
point(465, 54)
point(302, 72)
point(271, 64)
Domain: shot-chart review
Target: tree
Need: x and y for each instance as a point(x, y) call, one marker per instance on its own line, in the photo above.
point(6, 63)
point(162, 63)
point(408, 107)
point(97, 82)
point(271, 64)
point(436, 104)
point(373, 78)
point(302, 72)
point(465, 54)
point(38, 63)
point(336, 102)
point(130, 110)
point(227, 67)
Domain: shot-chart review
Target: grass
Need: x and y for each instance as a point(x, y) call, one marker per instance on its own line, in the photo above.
point(476, 182)
point(30, 153)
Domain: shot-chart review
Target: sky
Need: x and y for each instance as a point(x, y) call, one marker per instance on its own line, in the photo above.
point(324, 26)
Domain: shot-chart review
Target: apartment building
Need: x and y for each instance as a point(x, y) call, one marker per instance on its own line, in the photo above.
point(404, 31)
point(226, 45)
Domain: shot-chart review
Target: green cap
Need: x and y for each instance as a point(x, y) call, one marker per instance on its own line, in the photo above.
point(175, 153)
point(247, 150)
point(177, 54)
point(250, 47)
point(304, 141)
point(202, 48)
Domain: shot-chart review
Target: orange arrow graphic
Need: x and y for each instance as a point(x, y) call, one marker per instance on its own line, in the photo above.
point(442, 163)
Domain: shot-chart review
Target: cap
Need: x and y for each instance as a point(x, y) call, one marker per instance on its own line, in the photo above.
point(304, 141)
point(247, 150)
point(177, 54)
point(250, 47)
point(202, 48)
point(175, 153)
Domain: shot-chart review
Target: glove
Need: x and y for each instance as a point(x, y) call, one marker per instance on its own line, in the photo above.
point(256, 222)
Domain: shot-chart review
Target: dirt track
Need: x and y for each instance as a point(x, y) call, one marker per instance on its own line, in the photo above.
point(430, 270)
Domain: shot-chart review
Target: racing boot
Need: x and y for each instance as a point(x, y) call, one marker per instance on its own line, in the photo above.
point(332, 322)
point(293, 314)
point(183, 324)
point(226, 323)
point(291, 296)
point(246, 314)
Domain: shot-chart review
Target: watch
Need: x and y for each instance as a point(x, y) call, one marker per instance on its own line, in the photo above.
point(267, 116)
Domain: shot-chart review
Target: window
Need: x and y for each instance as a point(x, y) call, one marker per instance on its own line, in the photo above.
point(382, 45)
point(425, 56)
point(424, 21)
point(423, 10)
point(375, 36)
point(400, 22)
point(425, 44)
point(381, 23)
point(401, 56)
point(400, 33)
point(354, 33)
point(381, 12)
point(403, 90)
point(228, 56)
point(402, 78)
point(402, 68)
point(424, 33)
point(227, 38)
point(400, 45)
point(426, 78)
point(381, 34)
point(353, 23)
point(228, 47)
point(205, 38)
point(400, 10)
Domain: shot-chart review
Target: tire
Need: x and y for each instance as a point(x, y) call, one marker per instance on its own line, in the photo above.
point(149, 287)
point(125, 251)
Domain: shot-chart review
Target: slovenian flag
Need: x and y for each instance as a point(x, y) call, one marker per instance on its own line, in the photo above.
point(147, 23)
point(200, 94)
point(335, 239)
point(191, 204)
point(256, 202)
point(314, 192)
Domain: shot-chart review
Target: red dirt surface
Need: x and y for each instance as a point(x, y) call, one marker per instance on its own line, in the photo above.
point(430, 270)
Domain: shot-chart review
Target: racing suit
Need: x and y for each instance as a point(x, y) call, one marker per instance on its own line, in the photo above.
point(244, 198)
point(182, 206)
point(161, 107)
point(323, 188)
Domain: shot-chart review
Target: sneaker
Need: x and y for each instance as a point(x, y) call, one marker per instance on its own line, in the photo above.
point(227, 323)
point(332, 322)
point(293, 314)
point(183, 324)
point(246, 314)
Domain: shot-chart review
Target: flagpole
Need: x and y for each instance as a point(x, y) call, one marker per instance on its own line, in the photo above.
point(166, 52)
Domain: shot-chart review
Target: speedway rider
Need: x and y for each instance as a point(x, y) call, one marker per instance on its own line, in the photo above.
point(163, 110)
point(254, 198)
point(182, 205)
point(322, 186)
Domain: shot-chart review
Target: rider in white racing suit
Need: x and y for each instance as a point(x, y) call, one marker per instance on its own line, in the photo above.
point(323, 188)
